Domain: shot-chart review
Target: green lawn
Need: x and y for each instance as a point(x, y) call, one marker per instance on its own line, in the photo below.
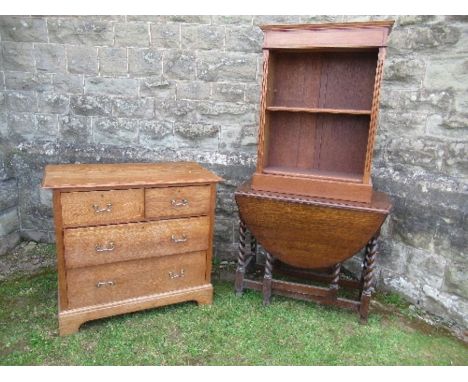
point(233, 331)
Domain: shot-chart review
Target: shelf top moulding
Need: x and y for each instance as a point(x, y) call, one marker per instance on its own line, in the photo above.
point(330, 35)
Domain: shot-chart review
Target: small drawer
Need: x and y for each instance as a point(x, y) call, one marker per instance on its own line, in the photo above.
point(108, 244)
point(173, 202)
point(114, 282)
point(101, 207)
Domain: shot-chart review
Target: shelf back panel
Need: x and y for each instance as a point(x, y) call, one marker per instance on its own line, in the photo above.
point(329, 143)
point(292, 140)
point(343, 142)
point(334, 80)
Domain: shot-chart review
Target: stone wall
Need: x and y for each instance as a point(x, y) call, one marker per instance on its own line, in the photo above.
point(165, 88)
point(9, 220)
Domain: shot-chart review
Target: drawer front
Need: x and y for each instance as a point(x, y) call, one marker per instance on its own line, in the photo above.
point(172, 202)
point(114, 282)
point(102, 207)
point(108, 244)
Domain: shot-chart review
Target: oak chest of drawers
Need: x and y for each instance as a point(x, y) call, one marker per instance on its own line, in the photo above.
point(130, 237)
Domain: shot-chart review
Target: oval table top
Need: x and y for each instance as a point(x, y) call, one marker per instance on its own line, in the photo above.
point(308, 232)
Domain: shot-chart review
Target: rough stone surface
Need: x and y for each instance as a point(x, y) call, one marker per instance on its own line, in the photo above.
point(169, 88)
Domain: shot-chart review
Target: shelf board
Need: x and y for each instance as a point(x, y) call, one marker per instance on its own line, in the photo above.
point(318, 110)
point(314, 173)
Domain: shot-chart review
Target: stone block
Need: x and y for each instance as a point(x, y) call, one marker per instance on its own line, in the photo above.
point(91, 105)
point(47, 126)
point(158, 87)
point(411, 289)
point(252, 93)
point(9, 242)
point(115, 131)
point(191, 19)
point(23, 29)
point(445, 305)
point(277, 19)
point(53, 103)
point(224, 231)
point(455, 280)
point(9, 221)
point(113, 61)
point(132, 34)
point(425, 267)
point(75, 129)
point(165, 35)
point(50, 58)
point(424, 37)
point(446, 73)
point(68, 83)
point(18, 56)
point(228, 66)
point(8, 194)
point(6, 170)
point(3, 125)
point(144, 62)
point(148, 18)
point(442, 126)
point(238, 138)
point(229, 92)
point(202, 37)
point(244, 39)
point(155, 133)
point(21, 101)
point(226, 113)
point(196, 136)
point(193, 90)
point(24, 81)
point(21, 126)
point(133, 107)
point(80, 31)
point(179, 65)
point(404, 72)
point(82, 59)
point(232, 20)
point(111, 86)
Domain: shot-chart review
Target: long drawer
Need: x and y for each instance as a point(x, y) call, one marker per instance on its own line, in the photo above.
point(114, 282)
point(113, 243)
point(171, 202)
point(102, 207)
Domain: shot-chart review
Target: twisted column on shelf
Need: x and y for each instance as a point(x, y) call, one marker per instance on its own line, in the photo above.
point(368, 277)
point(335, 280)
point(239, 284)
point(267, 277)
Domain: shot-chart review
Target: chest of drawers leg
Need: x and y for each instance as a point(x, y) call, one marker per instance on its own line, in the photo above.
point(133, 244)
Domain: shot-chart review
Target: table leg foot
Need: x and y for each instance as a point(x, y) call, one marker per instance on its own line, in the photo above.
point(267, 279)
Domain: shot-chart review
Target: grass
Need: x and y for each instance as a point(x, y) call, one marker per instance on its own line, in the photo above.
point(233, 331)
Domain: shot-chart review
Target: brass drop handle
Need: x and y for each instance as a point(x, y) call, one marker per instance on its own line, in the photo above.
point(102, 248)
point(179, 203)
point(175, 275)
point(181, 239)
point(101, 284)
point(99, 210)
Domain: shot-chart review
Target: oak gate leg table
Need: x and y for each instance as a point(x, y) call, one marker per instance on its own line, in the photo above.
point(309, 238)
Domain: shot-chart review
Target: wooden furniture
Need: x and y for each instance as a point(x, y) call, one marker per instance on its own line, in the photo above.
point(130, 237)
point(308, 233)
point(319, 107)
point(310, 203)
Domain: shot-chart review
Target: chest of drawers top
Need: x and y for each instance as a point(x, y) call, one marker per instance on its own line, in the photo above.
point(80, 177)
